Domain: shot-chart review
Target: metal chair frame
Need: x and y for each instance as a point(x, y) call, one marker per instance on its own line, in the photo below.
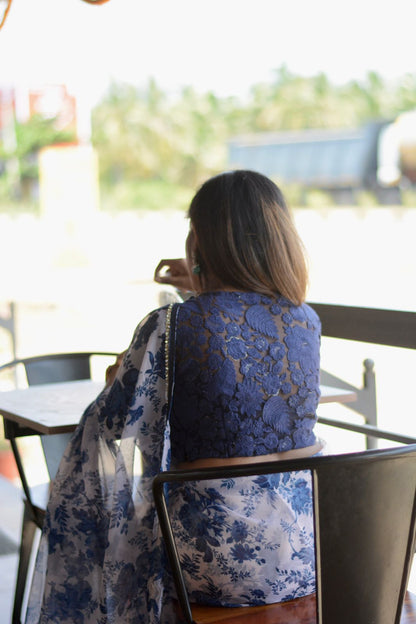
point(49, 368)
point(364, 516)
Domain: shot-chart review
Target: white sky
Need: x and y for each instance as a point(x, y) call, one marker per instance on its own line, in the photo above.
point(221, 45)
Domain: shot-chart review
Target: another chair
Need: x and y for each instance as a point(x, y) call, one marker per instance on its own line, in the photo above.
point(365, 518)
point(41, 369)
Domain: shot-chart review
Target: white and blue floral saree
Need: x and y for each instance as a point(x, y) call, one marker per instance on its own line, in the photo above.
point(101, 560)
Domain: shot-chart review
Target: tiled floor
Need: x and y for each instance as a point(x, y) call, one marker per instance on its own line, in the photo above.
point(8, 567)
point(10, 521)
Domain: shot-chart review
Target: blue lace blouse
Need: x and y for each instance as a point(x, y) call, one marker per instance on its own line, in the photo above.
point(246, 378)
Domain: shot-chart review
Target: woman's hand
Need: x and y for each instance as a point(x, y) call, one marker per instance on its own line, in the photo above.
point(174, 272)
point(111, 371)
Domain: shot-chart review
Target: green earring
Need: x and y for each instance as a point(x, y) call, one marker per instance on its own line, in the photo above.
point(196, 269)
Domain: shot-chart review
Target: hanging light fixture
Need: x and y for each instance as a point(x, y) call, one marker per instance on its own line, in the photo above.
point(4, 9)
point(6, 4)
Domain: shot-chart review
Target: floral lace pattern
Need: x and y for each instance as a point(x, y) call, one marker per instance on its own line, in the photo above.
point(246, 377)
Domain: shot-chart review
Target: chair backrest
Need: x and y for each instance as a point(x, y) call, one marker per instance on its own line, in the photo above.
point(365, 516)
point(56, 367)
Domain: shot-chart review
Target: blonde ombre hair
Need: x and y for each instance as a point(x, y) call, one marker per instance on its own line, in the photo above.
point(246, 238)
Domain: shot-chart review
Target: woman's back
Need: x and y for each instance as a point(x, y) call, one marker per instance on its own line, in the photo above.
point(246, 376)
point(246, 384)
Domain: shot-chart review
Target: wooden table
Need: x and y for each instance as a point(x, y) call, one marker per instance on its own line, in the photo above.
point(57, 408)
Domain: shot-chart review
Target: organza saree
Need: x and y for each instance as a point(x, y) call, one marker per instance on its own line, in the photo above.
point(101, 559)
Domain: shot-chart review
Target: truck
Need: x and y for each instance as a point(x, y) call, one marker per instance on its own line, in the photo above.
point(379, 157)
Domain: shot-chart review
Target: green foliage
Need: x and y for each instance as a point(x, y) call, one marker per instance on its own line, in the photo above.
point(365, 199)
point(4, 444)
point(318, 199)
point(143, 134)
point(30, 137)
point(409, 198)
point(143, 195)
point(295, 102)
point(11, 200)
point(155, 149)
point(294, 194)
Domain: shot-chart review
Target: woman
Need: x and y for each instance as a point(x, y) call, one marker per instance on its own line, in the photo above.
point(243, 371)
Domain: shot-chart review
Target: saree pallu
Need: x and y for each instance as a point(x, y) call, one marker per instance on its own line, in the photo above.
point(100, 559)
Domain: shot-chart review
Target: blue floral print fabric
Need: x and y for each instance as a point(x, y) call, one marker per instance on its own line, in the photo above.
point(101, 558)
point(246, 541)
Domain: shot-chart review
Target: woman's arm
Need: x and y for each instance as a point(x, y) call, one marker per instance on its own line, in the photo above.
point(111, 371)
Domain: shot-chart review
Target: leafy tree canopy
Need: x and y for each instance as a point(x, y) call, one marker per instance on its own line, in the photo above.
point(147, 134)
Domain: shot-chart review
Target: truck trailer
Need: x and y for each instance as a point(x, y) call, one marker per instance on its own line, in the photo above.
point(379, 157)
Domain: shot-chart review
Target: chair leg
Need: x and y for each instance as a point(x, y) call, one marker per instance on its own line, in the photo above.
point(28, 534)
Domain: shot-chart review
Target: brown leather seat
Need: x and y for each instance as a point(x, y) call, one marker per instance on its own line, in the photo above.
point(299, 611)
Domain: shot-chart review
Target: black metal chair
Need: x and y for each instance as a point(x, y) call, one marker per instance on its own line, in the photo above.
point(53, 368)
point(365, 517)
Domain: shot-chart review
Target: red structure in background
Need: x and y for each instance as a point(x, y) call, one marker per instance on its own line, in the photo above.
point(8, 468)
point(7, 107)
point(54, 101)
point(48, 101)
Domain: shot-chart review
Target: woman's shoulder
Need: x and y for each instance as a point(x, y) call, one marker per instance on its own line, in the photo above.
point(150, 323)
point(310, 316)
point(213, 302)
point(302, 313)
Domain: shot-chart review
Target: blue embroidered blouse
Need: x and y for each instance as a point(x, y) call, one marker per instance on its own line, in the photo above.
point(246, 376)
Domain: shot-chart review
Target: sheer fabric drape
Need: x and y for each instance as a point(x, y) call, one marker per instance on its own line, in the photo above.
point(100, 557)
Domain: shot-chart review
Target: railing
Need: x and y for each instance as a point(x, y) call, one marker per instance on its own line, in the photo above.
point(371, 325)
point(385, 327)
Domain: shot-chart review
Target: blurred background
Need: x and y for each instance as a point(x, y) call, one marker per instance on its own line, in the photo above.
point(112, 115)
